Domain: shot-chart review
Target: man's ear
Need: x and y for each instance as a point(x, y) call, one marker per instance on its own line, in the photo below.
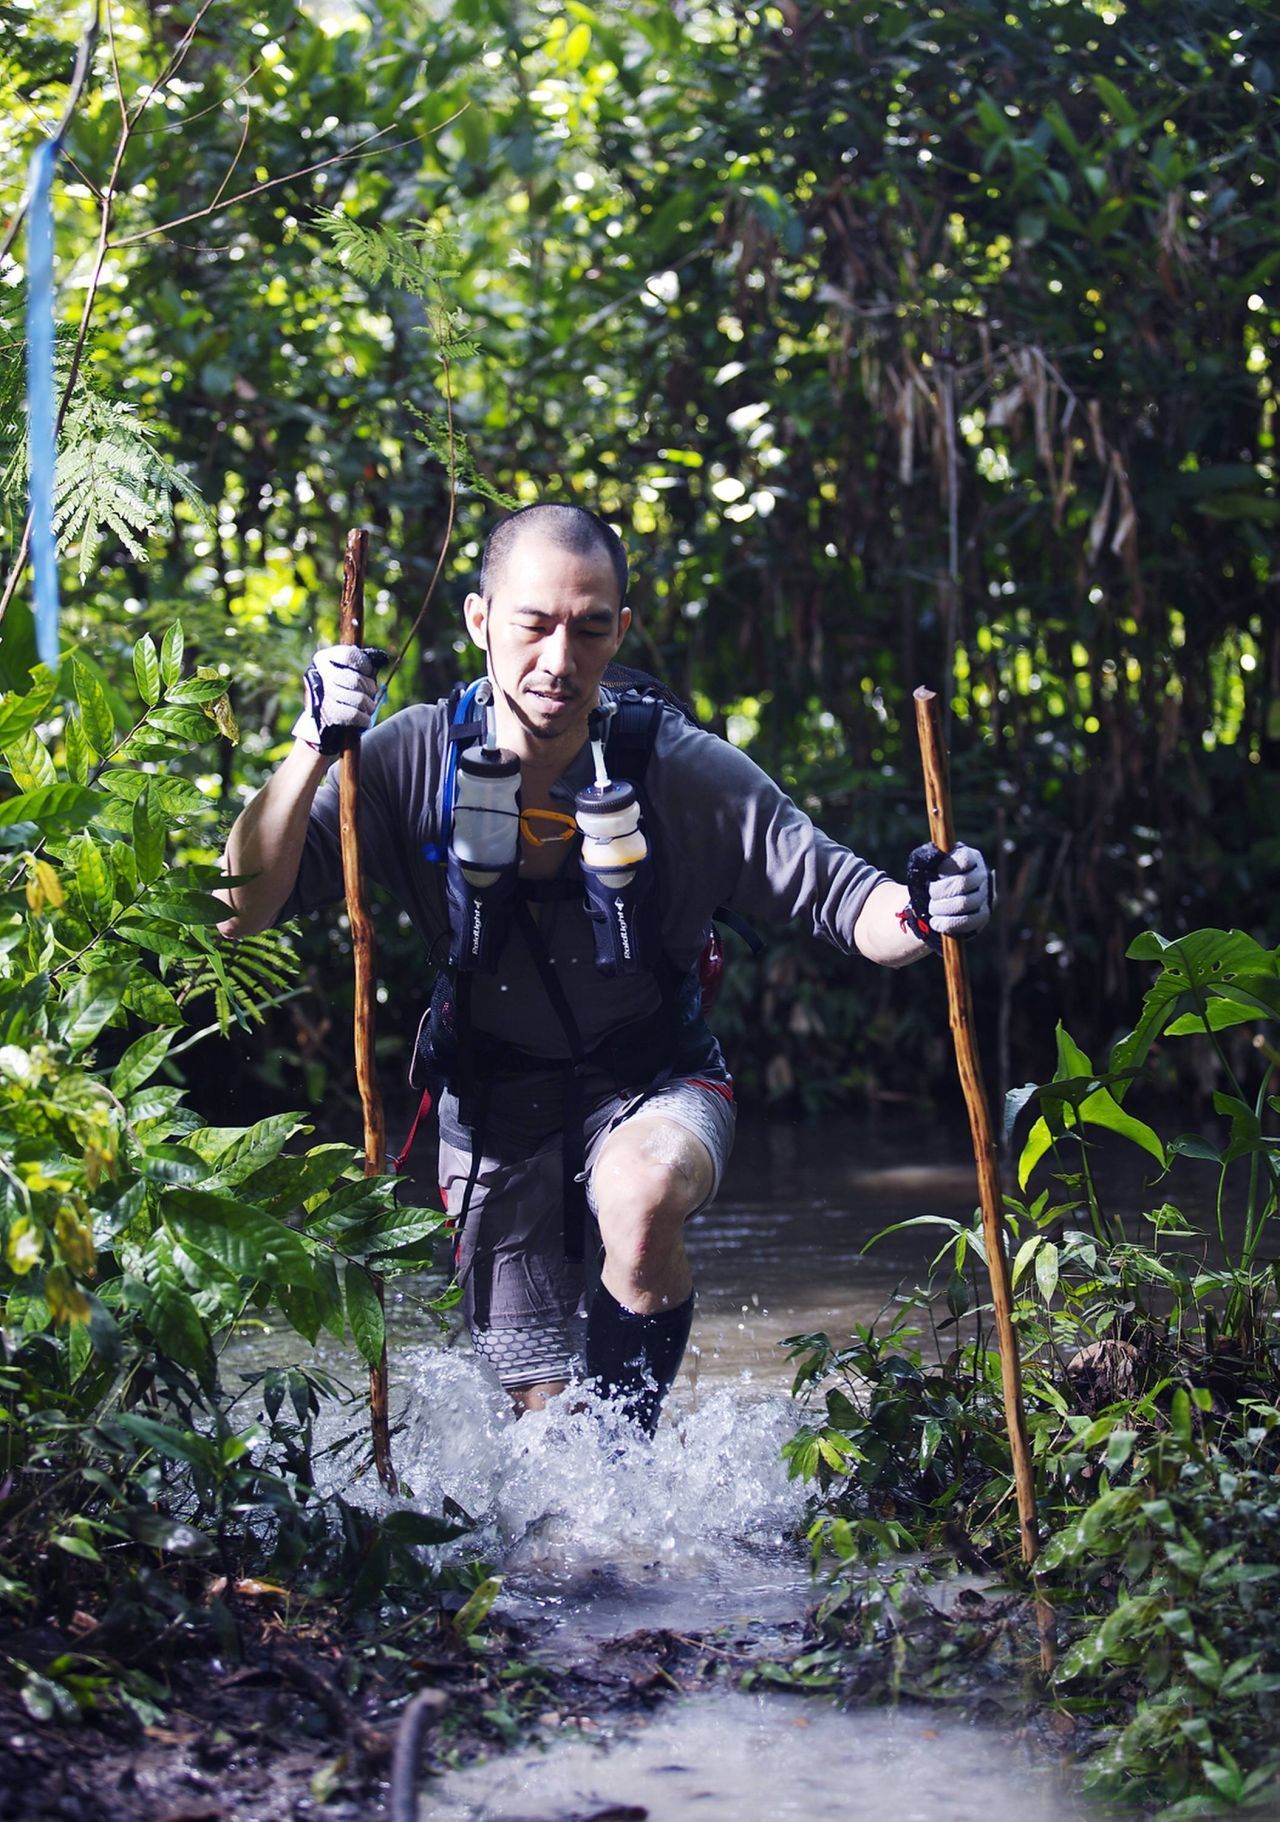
point(475, 612)
point(624, 621)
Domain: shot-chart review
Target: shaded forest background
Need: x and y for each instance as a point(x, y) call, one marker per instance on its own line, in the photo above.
point(904, 344)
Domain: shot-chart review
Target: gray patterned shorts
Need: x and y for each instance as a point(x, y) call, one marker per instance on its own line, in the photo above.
point(525, 1303)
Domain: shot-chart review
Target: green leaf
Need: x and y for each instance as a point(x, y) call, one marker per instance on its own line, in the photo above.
point(177, 1326)
point(1204, 965)
point(89, 1003)
point(79, 755)
point(1047, 1270)
point(19, 713)
point(168, 1534)
point(146, 670)
point(175, 796)
point(364, 1313)
point(140, 1062)
point(150, 999)
point(55, 809)
point(95, 708)
point(245, 1240)
point(165, 1439)
point(1038, 1142)
point(150, 832)
point(198, 689)
point(30, 761)
point(180, 907)
point(95, 883)
point(472, 1615)
point(77, 1546)
point(171, 655)
point(419, 1530)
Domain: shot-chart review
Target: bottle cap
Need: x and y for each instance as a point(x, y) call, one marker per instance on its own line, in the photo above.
point(488, 762)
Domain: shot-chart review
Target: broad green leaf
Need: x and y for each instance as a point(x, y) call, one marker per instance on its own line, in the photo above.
point(95, 884)
point(1022, 1259)
point(140, 1062)
point(197, 690)
point(146, 670)
point(55, 809)
point(150, 999)
point(166, 1439)
point(176, 1324)
point(171, 655)
point(235, 1152)
point(87, 1005)
point(168, 1534)
point(175, 796)
point(291, 1180)
point(1102, 1109)
point(1047, 1270)
point(79, 755)
point(149, 834)
point(30, 761)
point(364, 1313)
point(420, 1530)
point(1202, 965)
point(21, 711)
point(244, 1239)
point(1039, 1140)
point(99, 723)
point(186, 907)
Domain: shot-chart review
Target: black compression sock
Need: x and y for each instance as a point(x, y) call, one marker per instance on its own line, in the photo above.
point(635, 1359)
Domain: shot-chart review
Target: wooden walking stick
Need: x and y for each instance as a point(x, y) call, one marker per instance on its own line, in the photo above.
point(351, 632)
point(960, 1005)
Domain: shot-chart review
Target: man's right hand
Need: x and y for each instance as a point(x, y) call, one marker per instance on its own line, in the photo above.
point(341, 691)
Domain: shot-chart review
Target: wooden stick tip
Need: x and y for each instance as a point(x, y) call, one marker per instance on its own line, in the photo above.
point(924, 693)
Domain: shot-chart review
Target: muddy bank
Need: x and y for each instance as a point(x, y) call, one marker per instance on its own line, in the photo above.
point(306, 1727)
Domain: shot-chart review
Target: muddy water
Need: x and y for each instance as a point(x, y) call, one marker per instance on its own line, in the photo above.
point(735, 1757)
point(598, 1534)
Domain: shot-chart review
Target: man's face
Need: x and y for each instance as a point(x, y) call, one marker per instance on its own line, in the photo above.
point(550, 627)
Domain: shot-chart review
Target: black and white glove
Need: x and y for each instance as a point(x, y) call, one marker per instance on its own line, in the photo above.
point(950, 894)
point(341, 692)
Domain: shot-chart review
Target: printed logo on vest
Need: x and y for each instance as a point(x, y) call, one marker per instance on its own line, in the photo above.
point(624, 935)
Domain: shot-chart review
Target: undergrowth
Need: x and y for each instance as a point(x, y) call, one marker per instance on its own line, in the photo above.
point(1151, 1377)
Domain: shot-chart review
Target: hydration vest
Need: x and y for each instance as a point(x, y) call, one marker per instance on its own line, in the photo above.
point(627, 926)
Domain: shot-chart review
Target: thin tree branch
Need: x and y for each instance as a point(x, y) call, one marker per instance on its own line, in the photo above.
point(239, 154)
point(272, 183)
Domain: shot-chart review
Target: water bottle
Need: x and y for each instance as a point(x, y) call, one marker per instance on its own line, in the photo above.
point(486, 813)
point(613, 843)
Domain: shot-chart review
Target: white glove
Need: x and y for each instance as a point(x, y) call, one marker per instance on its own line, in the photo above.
point(951, 894)
point(341, 692)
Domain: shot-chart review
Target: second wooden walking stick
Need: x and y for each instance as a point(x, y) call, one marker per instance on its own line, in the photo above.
point(960, 1006)
point(351, 632)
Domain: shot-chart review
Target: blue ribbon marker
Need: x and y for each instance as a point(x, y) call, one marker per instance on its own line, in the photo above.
point(41, 412)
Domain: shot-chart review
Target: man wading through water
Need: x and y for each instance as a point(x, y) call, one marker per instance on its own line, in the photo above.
point(561, 847)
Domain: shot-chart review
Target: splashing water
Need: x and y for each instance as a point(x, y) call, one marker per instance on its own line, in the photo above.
point(598, 1529)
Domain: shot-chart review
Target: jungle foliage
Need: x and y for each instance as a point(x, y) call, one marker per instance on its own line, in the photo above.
point(1151, 1373)
point(903, 343)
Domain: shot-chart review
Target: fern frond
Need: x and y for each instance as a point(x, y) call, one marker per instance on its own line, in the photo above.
point(453, 451)
point(109, 477)
point(244, 978)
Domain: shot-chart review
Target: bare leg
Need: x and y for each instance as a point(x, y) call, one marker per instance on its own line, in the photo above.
point(650, 1176)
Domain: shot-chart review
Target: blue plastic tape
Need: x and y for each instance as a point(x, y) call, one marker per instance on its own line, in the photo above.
point(41, 410)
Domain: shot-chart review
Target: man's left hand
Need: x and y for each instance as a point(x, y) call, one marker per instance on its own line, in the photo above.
point(951, 894)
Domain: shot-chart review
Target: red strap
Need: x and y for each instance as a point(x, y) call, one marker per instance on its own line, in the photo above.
point(424, 1108)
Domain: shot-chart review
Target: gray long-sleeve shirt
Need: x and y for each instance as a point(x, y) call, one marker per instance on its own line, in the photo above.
point(725, 833)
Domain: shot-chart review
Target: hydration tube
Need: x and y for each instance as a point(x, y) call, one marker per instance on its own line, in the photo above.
point(466, 704)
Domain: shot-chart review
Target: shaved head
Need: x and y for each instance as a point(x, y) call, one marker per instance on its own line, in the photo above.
point(572, 528)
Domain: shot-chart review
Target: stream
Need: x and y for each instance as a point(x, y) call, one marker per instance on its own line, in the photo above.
point(599, 1536)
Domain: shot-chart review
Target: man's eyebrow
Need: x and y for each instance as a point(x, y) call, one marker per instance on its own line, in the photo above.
point(540, 613)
